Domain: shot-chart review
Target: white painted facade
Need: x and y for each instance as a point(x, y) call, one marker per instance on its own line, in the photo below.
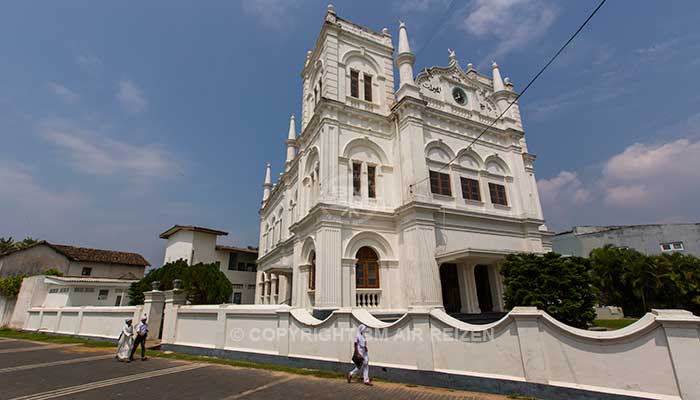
point(317, 218)
point(198, 245)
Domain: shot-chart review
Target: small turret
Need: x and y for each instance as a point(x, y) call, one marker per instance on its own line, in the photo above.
point(291, 144)
point(404, 61)
point(267, 185)
point(497, 80)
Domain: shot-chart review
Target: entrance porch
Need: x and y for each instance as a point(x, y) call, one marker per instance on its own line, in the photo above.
point(471, 283)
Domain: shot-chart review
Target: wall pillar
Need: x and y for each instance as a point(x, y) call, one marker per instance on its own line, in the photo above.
point(173, 300)
point(495, 281)
point(527, 322)
point(153, 307)
point(682, 334)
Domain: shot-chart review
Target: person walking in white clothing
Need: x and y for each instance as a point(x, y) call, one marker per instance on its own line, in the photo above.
point(360, 356)
point(125, 342)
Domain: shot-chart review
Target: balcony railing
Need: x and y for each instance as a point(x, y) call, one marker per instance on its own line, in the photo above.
point(368, 298)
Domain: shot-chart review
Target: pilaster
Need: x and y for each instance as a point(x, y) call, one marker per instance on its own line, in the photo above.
point(328, 267)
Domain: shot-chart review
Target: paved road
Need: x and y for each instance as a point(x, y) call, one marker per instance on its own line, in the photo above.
point(37, 371)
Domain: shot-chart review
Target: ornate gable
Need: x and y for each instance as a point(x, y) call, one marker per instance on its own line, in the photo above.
point(453, 90)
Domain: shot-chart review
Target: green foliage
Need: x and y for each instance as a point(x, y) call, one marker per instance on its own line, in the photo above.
point(638, 282)
point(6, 244)
point(53, 272)
point(561, 286)
point(203, 283)
point(9, 287)
point(9, 244)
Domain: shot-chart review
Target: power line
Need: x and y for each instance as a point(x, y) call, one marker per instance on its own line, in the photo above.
point(551, 60)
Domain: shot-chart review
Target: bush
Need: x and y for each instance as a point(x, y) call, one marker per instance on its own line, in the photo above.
point(9, 287)
point(561, 286)
point(202, 283)
point(638, 282)
point(53, 272)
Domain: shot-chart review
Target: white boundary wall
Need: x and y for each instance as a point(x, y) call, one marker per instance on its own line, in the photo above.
point(657, 357)
point(7, 306)
point(98, 322)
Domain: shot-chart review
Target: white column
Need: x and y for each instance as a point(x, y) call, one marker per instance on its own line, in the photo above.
point(328, 268)
point(462, 271)
point(473, 304)
point(348, 282)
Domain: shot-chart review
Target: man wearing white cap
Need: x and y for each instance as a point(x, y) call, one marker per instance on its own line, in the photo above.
point(141, 334)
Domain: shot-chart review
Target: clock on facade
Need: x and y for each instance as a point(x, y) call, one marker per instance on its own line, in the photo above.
point(459, 96)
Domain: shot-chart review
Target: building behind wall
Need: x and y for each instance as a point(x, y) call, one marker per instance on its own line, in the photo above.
point(647, 239)
point(367, 213)
point(196, 244)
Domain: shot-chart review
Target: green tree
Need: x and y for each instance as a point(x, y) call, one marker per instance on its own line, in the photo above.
point(611, 273)
point(202, 283)
point(9, 287)
point(28, 241)
point(6, 244)
point(561, 286)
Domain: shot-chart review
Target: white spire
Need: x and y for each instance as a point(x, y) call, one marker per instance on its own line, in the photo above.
point(404, 47)
point(404, 61)
point(267, 185)
point(291, 143)
point(497, 80)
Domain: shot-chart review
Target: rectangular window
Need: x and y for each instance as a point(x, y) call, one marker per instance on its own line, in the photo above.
point(237, 286)
point(672, 246)
point(320, 89)
point(250, 267)
point(470, 189)
point(118, 301)
point(354, 84)
point(440, 183)
point(86, 271)
point(102, 295)
point(64, 290)
point(53, 290)
point(251, 286)
point(368, 87)
point(371, 182)
point(232, 261)
point(241, 266)
point(237, 298)
point(498, 194)
point(356, 180)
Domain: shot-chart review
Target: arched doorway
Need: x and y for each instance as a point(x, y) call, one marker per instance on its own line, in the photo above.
point(367, 269)
point(483, 288)
point(450, 288)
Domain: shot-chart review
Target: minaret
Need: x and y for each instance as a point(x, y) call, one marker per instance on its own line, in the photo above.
point(291, 144)
point(267, 185)
point(497, 80)
point(404, 61)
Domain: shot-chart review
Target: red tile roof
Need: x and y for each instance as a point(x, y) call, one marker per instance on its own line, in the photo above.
point(84, 254)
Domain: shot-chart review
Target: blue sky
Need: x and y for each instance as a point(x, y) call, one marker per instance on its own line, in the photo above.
point(121, 119)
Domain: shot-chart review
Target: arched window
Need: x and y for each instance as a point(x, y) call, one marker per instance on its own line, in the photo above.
point(367, 269)
point(312, 271)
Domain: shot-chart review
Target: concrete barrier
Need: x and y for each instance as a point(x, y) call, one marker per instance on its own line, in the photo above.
point(97, 322)
point(527, 352)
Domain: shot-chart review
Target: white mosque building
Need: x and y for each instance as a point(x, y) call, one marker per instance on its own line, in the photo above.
point(369, 211)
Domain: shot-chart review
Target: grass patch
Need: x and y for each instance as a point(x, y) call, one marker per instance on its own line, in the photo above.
point(55, 339)
point(614, 323)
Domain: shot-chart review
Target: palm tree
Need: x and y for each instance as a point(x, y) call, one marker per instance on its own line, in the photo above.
point(28, 241)
point(6, 244)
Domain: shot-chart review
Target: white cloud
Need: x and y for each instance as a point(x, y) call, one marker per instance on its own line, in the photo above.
point(273, 14)
point(130, 97)
point(88, 62)
point(513, 23)
point(565, 186)
point(100, 155)
point(644, 183)
point(21, 189)
point(64, 93)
